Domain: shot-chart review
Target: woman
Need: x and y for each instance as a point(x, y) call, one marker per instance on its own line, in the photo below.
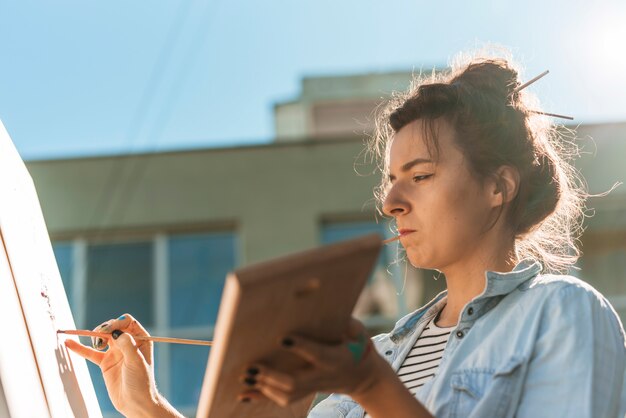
point(478, 184)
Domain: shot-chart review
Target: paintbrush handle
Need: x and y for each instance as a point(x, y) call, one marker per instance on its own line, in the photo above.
point(86, 333)
point(172, 340)
point(387, 241)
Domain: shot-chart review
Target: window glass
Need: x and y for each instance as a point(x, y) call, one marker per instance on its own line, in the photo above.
point(198, 265)
point(119, 279)
point(187, 373)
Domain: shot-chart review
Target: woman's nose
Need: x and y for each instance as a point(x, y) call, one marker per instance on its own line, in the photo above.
point(394, 204)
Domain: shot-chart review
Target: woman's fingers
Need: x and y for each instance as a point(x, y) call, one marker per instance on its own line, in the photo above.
point(101, 343)
point(270, 377)
point(263, 389)
point(311, 351)
point(129, 324)
point(325, 355)
point(251, 395)
point(127, 346)
point(90, 354)
point(275, 394)
point(282, 388)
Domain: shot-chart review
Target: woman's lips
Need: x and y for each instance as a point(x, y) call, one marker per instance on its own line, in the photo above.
point(403, 232)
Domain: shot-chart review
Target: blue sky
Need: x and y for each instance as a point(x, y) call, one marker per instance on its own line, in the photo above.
point(100, 77)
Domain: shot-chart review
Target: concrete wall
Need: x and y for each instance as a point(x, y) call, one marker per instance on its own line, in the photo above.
point(274, 196)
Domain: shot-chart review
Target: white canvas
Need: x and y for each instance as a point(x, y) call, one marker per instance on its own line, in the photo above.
point(63, 377)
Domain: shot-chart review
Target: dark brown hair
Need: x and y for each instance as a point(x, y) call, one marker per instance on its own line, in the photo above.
point(495, 125)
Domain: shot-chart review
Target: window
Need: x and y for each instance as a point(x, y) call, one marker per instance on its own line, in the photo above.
point(198, 265)
point(171, 283)
point(119, 279)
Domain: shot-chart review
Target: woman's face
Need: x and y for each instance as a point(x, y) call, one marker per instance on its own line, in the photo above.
point(440, 209)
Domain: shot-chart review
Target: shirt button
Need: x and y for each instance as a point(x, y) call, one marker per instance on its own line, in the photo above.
point(388, 352)
point(460, 334)
point(470, 310)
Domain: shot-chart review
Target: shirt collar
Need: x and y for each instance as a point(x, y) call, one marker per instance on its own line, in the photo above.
point(504, 283)
point(498, 284)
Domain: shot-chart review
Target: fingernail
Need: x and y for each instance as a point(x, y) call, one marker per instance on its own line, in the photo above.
point(288, 342)
point(115, 334)
point(250, 381)
point(122, 317)
point(246, 400)
point(98, 343)
point(253, 371)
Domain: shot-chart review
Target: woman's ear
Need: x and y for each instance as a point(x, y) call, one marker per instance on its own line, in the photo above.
point(504, 186)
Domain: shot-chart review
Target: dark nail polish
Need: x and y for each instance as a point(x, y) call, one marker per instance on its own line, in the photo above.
point(288, 342)
point(115, 334)
point(253, 371)
point(250, 381)
point(99, 344)
point(246, 400)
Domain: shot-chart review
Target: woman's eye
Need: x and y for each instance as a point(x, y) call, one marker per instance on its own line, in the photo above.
point(422, 177)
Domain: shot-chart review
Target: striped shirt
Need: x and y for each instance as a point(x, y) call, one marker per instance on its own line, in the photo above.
point(422, 361)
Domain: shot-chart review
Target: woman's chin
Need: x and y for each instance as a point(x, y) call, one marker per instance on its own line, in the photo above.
point(420, 260)
point(417, 260)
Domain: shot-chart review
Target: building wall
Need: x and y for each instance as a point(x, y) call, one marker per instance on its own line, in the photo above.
point(274, 196)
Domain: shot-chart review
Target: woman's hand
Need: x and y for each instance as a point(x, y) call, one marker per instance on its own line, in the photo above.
point(352, 367)
point(128, 369)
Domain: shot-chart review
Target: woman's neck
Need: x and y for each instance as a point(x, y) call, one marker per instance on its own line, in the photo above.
point(466, 279)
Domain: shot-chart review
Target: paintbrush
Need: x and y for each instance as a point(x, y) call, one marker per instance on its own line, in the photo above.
point(107, 335)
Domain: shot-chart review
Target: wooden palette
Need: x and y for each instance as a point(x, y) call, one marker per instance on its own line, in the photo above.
point(311, 293)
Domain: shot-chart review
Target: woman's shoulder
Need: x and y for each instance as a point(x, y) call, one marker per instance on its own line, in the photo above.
point(550, 284)
point(566, 297)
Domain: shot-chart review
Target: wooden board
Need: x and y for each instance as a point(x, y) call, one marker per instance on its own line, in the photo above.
point(64, 380)
point(311, 293)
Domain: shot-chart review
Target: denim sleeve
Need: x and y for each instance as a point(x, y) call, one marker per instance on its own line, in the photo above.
point(330, 407)
point(579, 359)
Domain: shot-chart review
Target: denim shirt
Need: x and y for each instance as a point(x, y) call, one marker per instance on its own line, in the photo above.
point(530, 345)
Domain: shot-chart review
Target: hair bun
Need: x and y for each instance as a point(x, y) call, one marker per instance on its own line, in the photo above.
point(490, 75)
